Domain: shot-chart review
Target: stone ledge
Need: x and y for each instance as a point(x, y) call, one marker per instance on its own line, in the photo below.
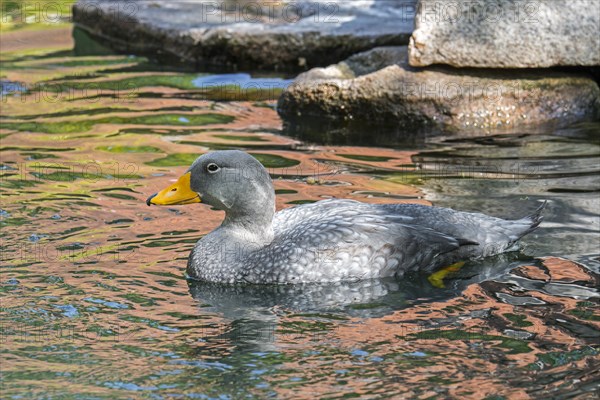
point(294, 36)
point(506, 33)
point(379, 86)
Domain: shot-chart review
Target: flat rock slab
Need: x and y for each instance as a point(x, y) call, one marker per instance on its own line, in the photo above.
point(281, 34)
point(380, 87)
point(506, 33)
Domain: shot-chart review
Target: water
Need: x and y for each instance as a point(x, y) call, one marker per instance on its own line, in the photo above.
point(95, 303)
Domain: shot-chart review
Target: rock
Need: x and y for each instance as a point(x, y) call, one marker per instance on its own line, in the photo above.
point(285, 34)
point(380, 88)
point(506, 33)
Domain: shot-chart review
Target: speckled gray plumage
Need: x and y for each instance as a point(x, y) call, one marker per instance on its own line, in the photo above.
point(330, 240)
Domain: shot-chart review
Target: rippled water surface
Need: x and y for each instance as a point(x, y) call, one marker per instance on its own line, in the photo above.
point(95, 304)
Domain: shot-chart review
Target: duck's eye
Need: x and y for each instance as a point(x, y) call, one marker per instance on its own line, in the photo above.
point(212, 168)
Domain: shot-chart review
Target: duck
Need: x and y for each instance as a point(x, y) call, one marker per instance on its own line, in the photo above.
point(332, 240)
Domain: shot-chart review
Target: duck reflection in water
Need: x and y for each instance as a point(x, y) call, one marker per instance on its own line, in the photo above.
point(253, 312)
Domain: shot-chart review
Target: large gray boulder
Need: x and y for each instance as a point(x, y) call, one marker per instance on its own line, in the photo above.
point(379, 87)
point(506, 33)
point(287, 34)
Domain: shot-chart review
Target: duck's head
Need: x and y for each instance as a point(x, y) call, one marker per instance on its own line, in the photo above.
point(228, 180)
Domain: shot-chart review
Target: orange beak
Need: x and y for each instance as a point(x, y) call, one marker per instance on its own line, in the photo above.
point(178, 193)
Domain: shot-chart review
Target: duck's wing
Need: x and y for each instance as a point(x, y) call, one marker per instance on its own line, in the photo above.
point(493, 235)
point(347, 240)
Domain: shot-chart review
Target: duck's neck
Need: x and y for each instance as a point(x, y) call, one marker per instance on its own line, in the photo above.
point(247, 228)
point(257, 228)
point(252, 222)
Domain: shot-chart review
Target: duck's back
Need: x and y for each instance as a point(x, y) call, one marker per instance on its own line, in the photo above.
point(336, 240)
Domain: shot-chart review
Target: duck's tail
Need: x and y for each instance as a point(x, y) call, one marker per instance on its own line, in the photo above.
point(536, 218)
point(486, 236)
point(529, 223)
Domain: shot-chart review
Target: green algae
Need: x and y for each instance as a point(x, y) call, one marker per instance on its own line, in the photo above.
point(584, 314)
point(274, 161)
point(285, 191)
point(97, 61)
point(185, 159)
point(360, 157)
point(73, 113)
point(112, 189)
point(515, 346)
point(558, 358)
point(406, 178)
point(88, 112)
point(69, 175)
point(87, 124)
point(149, 322)
point(16, 183)
point(131, 85)
point(518, 320)
point(174, 160)
point(176, 119)
point(239, 93)
point(159, 131)
point(322, 316)
point(185, 317)
point(301, 202)
point(365, 306)
point(129, 149)
point(128, 85)
point(139, 299)
point(50, 149)
point(440, 380)
point(241, 138)
point(120, 196)
point(38, 156)
point(303, 327)
point(247, 146)
point(165, 243)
